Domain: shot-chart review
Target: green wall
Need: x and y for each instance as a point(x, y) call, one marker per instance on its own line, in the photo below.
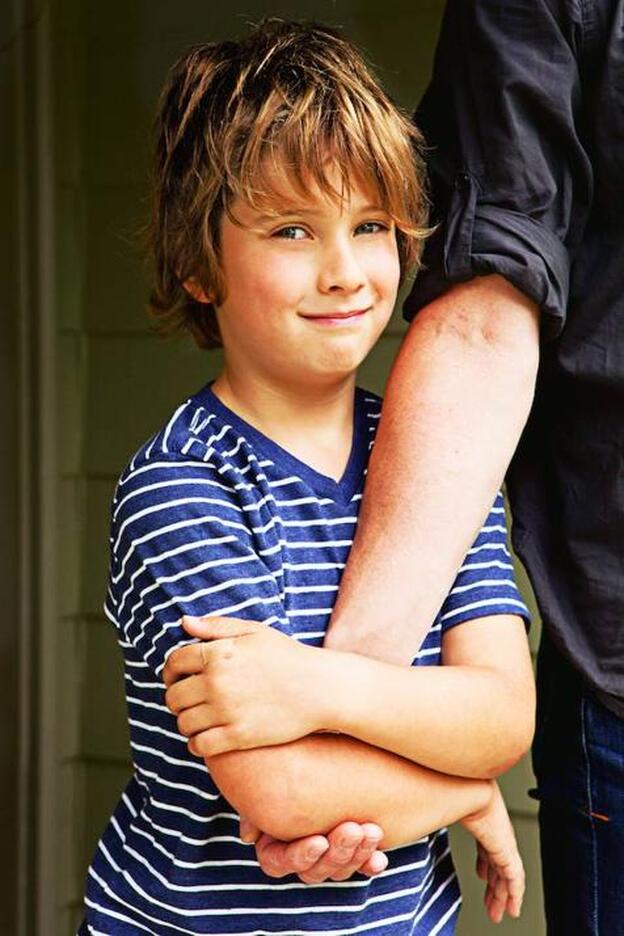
point(117, 381)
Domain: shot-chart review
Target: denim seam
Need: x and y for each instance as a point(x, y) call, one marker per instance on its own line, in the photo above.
point(592, 825)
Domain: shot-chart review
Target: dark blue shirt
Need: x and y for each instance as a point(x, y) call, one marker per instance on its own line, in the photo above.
point(525, 119)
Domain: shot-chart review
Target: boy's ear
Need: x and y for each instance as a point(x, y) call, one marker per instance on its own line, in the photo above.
point(194, 289)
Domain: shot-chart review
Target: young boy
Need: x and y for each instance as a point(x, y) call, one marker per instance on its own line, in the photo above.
point(289, 204)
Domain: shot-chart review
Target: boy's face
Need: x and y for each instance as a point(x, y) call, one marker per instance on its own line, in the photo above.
point(309, 291)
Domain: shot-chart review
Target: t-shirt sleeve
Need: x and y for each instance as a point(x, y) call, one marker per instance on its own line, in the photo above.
point(511, 179)
point(485, 583)
point(183, 543)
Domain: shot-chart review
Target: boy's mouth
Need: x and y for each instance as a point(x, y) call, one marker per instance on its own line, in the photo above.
point(336, 316)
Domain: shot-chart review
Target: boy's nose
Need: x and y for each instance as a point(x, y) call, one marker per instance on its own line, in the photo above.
point(340, 270)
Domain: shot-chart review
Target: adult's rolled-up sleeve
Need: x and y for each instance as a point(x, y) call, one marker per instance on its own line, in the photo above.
point(511, 178)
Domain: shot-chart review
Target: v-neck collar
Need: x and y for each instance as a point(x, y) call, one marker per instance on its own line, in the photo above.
point(342, 490)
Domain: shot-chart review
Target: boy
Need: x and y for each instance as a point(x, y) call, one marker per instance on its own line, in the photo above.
point(289, 203)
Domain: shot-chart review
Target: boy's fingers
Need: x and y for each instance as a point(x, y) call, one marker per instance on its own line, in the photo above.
point(193, 721)
point(280, 858)
point(185, 661)
point(271, 858)
point(377, 863)
point(368, 861)
point(372, 830)
point(249, 833)
point(349, 848)
point(516, 888)
point(364, 851)
point(344, 841)
point(506, 882)
point(194, 657)
point(215, 741)
point(495, 909)
point(305, 853)
point(500, 899)
point(214, 628)
point(514, 906)
point(185, 694)
point(366, 858)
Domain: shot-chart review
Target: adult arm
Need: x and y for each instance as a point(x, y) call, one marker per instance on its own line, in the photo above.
point(458, 397)
point(512, 189)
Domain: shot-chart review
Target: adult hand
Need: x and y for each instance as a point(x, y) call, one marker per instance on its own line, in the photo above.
point(349, 848)
point(248, 686)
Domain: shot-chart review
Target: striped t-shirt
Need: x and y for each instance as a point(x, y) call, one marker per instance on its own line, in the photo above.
point(212, 517)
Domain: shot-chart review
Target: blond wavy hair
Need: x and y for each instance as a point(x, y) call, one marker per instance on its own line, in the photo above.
point(291, 100)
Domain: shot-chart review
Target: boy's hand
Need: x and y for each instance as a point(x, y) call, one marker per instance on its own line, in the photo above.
point(249, 686)
point(498, 860)
point(348, 849)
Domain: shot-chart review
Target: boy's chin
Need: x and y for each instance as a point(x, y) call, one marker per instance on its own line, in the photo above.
point(342, 363)
point(322, 374)
point(330, 376)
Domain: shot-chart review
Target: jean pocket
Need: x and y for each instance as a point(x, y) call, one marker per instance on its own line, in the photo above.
point(604, 748)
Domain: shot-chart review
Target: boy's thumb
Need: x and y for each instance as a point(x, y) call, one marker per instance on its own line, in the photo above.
point(206, 628)
point(213, 628)
point(195, 626)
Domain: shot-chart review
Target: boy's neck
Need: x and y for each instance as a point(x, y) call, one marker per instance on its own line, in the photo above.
point(314, 424)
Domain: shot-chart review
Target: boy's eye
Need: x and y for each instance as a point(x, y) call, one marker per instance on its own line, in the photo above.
point(291, 232)
point(371, 227)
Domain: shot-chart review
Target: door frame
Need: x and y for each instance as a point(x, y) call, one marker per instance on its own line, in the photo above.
point(28, 545)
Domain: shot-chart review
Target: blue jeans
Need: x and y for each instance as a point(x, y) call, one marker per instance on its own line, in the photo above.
point(578, 758)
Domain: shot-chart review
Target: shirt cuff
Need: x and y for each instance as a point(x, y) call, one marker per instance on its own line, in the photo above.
point(478, 239)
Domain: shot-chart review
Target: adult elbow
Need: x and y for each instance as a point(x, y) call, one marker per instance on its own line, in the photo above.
point(489, 315)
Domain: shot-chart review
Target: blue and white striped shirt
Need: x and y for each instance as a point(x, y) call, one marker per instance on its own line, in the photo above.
point(212, 517)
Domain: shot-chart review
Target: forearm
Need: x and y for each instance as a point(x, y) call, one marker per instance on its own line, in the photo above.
point(471, 717)
point(455, 405)
point(312, 785)
point(443, 717)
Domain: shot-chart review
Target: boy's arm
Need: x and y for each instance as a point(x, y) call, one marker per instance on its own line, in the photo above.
point(299, 789)
point(472, 717)
point(255, 687)
point(457, 399)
